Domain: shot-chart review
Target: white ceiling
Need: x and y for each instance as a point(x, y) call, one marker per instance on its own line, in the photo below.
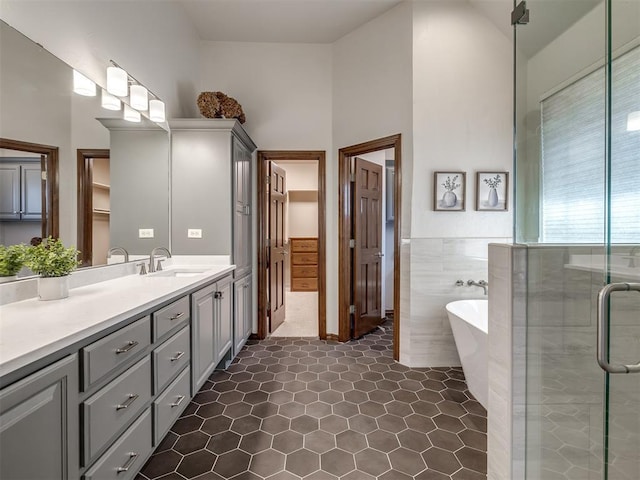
point(325, 21)
point(292, 21)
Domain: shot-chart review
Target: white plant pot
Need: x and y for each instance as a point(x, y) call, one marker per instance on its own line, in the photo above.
point(53, 288)
point(8, 278)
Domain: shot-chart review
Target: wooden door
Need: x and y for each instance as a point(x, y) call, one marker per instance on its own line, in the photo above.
point(367, 252)
point(277, 247)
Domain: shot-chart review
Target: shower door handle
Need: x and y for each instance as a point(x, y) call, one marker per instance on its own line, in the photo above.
point(603, 327)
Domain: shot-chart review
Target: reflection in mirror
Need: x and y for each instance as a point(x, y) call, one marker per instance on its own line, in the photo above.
point(41, 116)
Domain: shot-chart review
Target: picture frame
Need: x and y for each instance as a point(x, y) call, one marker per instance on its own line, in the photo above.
point(492, 191)
point(449, 191)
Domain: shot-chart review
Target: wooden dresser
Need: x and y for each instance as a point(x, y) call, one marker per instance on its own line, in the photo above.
point(304, 264)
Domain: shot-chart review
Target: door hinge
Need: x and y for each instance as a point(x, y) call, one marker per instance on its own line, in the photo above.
point(352, 309)
point(352, 243)
point(267, 180)
point(268, 307)
point(520, 14)
point(43, 175)
point(352, 177)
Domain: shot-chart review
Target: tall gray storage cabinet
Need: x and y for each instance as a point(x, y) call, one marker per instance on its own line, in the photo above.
point(211, 170)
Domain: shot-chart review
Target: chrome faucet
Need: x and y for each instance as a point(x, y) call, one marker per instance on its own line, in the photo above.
point(154, 252)
point(113, 250)
point(482, 284)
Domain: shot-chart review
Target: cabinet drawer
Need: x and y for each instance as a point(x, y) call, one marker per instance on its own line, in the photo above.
point(169, 317)
point(171, 403)
point(304, 245)
point(108, 353)
point(114, 405)
point(304, 271)
point(304, 284)
point(304, 259)
point(169, 358)
point(125, 458)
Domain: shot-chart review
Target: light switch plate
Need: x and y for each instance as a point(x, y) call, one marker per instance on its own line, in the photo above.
point(145, 233)
point(194, 233)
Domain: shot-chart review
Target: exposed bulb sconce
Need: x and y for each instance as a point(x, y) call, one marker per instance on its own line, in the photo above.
point(117, 81)
point(109, 101)
point(633, 121)
point(131, 115)
point(139, 97)
point(82, 85)
point(156, 110)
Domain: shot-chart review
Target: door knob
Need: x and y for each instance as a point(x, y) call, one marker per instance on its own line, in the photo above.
point(379, 254)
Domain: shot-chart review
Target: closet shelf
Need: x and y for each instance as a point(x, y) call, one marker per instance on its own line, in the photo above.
point(100, 211)
point(104, 186)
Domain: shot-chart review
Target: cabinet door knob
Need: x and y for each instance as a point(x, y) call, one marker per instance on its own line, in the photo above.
point(218, 295)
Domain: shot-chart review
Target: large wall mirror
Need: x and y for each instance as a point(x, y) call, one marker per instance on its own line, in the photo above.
point(59, 173)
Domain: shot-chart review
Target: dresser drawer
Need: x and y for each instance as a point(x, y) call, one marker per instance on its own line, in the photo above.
point(168, 406)
point(304, 245)
point(306, 271)
point(304, 259)
point(170, 317)
point(125, 458)
point(108, 353)
point(304, 284)
point(169, 358)
point(113, 406)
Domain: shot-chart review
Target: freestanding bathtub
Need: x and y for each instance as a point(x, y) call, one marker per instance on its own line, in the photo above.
point(469, 321)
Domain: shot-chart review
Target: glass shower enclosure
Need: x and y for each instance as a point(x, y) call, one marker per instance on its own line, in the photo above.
point(577, 212)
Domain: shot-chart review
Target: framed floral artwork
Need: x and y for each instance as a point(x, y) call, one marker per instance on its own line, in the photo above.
point(492, 191)
point(449, 191)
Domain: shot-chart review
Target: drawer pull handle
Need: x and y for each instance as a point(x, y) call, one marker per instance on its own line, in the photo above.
point(127, 466)
point(127, 347)
point(132, 398)
point(177, 402)
point(177, 357)
point(176, 316)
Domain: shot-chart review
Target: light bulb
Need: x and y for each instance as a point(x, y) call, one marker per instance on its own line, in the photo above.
point(138, 97)
point(156, 110)
point(633, 121)
point(130, 114)
point(83, 86)
point(117, 82)
point(109, 101)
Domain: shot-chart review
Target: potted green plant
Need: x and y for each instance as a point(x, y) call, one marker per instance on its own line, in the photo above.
point(53, 262)
point(11, 261)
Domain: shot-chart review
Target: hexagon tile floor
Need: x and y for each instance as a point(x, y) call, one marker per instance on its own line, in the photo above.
point(301, 408)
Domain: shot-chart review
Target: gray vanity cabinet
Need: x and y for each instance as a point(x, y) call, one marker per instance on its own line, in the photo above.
point(20, 191)
point(211, 329)
point(39, 424)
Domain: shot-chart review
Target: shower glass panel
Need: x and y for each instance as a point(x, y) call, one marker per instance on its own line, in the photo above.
point(577, 170)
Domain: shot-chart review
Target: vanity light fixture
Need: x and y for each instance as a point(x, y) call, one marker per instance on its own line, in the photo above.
point(117, 81)
point(633, 121)
point(156, 110)
point(82, 85)
point(130, 114)
point(109, 101)
point(139, 97)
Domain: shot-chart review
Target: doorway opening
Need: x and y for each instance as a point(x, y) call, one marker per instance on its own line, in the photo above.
point(48, 178)
point(370, 192)
point(93, 206)
point(291, 244)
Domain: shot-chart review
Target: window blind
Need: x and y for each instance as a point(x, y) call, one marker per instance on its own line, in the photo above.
point(573, 203)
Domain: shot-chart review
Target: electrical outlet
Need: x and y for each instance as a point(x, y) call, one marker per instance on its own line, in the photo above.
point(194, 233)
point(145, 233)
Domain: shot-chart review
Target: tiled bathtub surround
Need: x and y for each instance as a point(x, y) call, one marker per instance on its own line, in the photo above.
point(299, 408)
point(436, 264)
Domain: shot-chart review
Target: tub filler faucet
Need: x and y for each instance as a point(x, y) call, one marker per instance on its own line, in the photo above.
point(482, 284)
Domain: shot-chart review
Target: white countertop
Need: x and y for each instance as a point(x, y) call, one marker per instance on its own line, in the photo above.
point(31, 330)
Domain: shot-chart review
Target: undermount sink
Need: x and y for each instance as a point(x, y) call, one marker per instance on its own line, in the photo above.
point(179, 272)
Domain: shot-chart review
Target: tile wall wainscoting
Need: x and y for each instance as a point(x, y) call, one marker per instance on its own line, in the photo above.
point(435, 265)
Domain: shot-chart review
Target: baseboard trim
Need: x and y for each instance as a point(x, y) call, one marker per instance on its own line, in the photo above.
point(332, 337)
